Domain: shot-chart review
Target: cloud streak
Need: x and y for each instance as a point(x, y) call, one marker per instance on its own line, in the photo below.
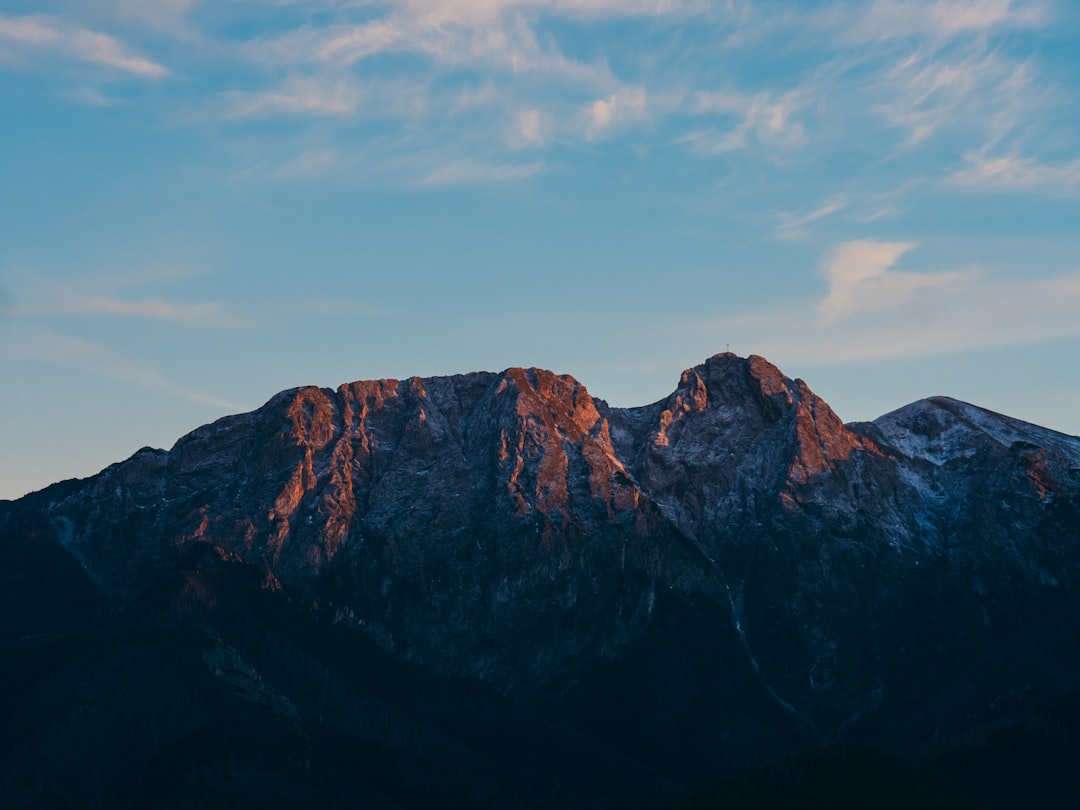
point(899, 19)
point(467, 172)
point(861, 279)
point(792, 225)
point(871, 311)
point(450, 36)
point(48, 346)
point(46, 35)
point(1014, 172)
point(483, 79)
point(760, 118)
point(205, 313)
point(976, 90)
point(295, 97)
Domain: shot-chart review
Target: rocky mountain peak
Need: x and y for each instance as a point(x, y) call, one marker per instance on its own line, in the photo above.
point(726, 379)
point(937, 429)
point(730, 420)
point(509, 527)
point(559, 400)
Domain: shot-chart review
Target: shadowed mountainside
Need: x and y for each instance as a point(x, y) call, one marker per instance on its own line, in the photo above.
point(497, 584)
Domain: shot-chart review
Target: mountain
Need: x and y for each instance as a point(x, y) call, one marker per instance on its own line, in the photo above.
point(470, 588)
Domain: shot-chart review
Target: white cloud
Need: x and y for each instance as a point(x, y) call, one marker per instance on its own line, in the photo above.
point(710, 142)
point(1016, 173)
point(872, 312)
point(467, 172)
point(895, 19)
point(791, 225)
point(500, 47)
point(351, 44)
point(818, 213)
point(883, 204)
point(44, 298)
point(861, 280)
point(206, 312)
point(296, 96)
point(451, 35)
point(35, 34)
point(158, 18)
point(487, 78)
point(530, 127)
point(976, 90)
point(448, 12)
point(625, 105)
point(48, 346)
point(69, 303)
point(760, 118)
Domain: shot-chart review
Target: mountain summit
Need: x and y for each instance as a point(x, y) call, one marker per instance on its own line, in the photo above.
point(709, 582)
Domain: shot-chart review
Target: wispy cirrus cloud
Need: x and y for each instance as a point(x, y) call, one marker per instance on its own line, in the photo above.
point(339, 43)
point(42, 345)
point(102, 296)
point(467, 172)
point(448, 37)
point(899, 19)
point(296, 96)
point(206, 313)
point(459, 11)
point(762, 118)
point(1013, 172)
point(925, 71)
point(976, 90)
point(793, 224)
point(171, 18)
point(39, 36)
point(872, 311)
point(482, 80)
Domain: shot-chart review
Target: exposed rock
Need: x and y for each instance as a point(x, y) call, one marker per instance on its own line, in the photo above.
point(871, 581)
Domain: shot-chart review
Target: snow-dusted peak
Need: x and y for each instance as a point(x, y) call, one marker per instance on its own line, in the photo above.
point(940, 429)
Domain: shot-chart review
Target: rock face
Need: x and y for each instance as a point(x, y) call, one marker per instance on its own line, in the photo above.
point(886, 582)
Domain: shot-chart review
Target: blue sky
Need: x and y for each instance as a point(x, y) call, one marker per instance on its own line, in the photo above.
point(204, 203)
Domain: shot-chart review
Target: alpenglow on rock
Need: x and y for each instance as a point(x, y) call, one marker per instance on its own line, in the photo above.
point(883, 582)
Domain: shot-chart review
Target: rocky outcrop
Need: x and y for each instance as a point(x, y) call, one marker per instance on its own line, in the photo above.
point(853, 579)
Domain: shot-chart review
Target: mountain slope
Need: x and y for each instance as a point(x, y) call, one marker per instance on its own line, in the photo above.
point(708, 582)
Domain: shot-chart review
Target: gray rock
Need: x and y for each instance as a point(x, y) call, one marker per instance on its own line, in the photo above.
point(511, 527)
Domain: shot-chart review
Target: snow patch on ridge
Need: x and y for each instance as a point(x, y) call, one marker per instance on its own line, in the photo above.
point(941, 429)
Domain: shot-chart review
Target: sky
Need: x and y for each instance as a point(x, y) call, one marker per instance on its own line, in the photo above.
point(203, 203)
